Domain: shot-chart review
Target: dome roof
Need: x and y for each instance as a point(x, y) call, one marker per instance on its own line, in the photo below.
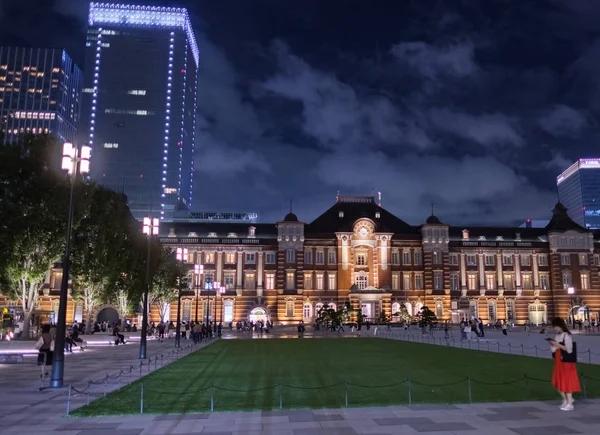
point(290, 217)
point(433, 220)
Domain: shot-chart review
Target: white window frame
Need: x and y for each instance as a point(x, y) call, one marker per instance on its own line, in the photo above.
point(250, 281)
point(308, 280)
point(418, 258)
point(490, 281)
point(567, 279)
point(361, 258)
point(395, 280)
point(362, 281)
point(331, 257)
point(525, 260)
point(472, 279)
point(507, 260)
point(436, 257)
point(331, 281)
point(290, 256)
point(545, 281)
point(585, 280)
point(229, 280)
point(542, 260)
point(419, 281)
point(438, 280)
point(270, 281)
point(289, 308)
point(395, 256)
point(250, 257)
point(290, 280)
point(307, 311)
point(406, 279)
point(320, 257)
point(490, 260)
point(319, 281)
point(308, 256)
point(471, 259)
point(406, 257)
point(527, 281)
point(453, 259)
point(583, 259)
point(454, 281)
point(270, 257)
point(565, 259)
point(230, 257)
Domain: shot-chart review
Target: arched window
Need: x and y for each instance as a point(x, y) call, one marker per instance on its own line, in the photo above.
point(55, 304)
point(186, 311)
point(289, 308)
point(228, 311)
point(409, 308)
point(537, 313)
point(491, 311)
point(307, 313)
point(439, 309)
point(332, 306)
point(395, 310)
point(418, 307)
point(362, 282)
point(318, 308)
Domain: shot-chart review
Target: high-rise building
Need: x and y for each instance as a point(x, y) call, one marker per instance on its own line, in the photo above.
point(40, 92)
point(579, 191)
point(139, 112)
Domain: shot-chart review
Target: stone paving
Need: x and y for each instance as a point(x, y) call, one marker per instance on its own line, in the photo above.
point(25, 410)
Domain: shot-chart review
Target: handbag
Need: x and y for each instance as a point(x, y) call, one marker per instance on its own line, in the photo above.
point(569, 357)
point(39, 343)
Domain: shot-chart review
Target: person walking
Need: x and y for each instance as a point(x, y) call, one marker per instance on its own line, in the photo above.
point(467, 331)
point(45, 345)
point(161, 331)
point(504, 327)
point(564, 377)
point(446, 330)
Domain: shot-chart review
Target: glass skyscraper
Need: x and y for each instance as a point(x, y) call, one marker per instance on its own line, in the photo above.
point(579, 191)
point(40, 92)
point(139, 104)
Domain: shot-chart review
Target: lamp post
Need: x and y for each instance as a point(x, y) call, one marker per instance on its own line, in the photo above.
point(198, 271)
point(75, 160)
point(222, 291)
point(571, 292)
point(207, 287)
point(150, 228)
point(182, 254)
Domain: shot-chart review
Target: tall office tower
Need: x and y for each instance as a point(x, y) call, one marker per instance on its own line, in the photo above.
point(40, 92)
point(579, 191)
point(139, 112)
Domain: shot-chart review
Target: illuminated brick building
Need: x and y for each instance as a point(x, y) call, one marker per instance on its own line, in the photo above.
point(357, 251)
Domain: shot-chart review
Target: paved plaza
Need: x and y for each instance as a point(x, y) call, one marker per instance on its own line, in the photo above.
point(25, 410)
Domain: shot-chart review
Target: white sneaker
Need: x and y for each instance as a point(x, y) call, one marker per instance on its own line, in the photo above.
point(567, 407)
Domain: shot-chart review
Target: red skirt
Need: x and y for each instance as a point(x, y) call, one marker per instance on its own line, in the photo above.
point(564, 377)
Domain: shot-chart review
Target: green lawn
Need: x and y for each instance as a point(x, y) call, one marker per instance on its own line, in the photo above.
point(318, 373)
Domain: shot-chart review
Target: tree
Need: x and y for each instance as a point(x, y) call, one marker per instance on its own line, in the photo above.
point(33, 214)
point(426, 317)
point(164, 281)
point(403, 314)
point(103, 247)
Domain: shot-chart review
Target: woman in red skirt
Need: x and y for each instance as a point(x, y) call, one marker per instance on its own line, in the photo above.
point(564, 377)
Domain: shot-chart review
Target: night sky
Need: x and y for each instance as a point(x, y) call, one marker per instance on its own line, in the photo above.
point(474, 105)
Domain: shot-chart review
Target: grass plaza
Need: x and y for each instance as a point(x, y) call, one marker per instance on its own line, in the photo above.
point(269, 374)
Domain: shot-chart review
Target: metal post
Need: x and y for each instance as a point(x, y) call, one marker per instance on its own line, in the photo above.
point(58, 363)
point(522, 349)
point(196, 285)
point(212, 397)
point(145, 299)
point(589, 356)
point(409, 392)
point(536, 351)
point(470, 394)
point(141, 362)
point(149, 362)
point(69, 401)
point(584, 386)
point(142, 399)
point(178, 325)
point(280, 397)
point(155, 363)
point(346, 393)
point(105, 386)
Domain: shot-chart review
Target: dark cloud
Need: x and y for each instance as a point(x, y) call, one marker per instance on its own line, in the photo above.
point(476, 106)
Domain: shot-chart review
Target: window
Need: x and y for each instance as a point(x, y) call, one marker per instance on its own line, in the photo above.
point(566, 278)
point(545, 281)
point(136, 92)
point(490, 260)
point(510, 310)
point(308, 281)
point(395, 257)
point(537, 314)
point(507, 260)
point(453, 259)
point(209, 257)
point(406, 284)
point(527, 281)
point(289, 308)
point(597, 260)
point(454, 281)
point(250, 282)
point(471, 260)
point(418, 281)
point(583, 259)
point(208, 278)
point(490, 281)
point(290, 256)
point(111, 145)
point(289, 282)
point(230, 257)
point(332, 281)
point(565, 259)
point(186, 312)
point(78, 315)
point(491, 311)
point(320, 257)
point(228, 311)
point(418, 257)
point(509, 281)
point(472, 281)
point(361, 259)
point(307, 311)
point(229, 280)
point(439, 309)
point(362, 282)
point(525, 260)
point(405, 257)
point(543, 260)
point(308, 256)
point(250, 257)
point(474, 308)
point(331, 257)
point(56, 279)
point(319, 281)
point(438, 280)
point(270, 281)
point(585, 281)
point(395, 281)
point(270, 257)
point(437, 257)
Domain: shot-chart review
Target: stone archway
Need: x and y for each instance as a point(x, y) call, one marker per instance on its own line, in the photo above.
point(259, 312)
point(107, 313)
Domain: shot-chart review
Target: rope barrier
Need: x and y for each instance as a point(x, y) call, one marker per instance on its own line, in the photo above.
point(378, 386)
point(246, 391)
point(499, 383)
point(440, 385)
point(312, 388)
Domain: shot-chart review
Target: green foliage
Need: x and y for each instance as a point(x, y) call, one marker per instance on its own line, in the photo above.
point(165, 277)
point(403, 314)
point(426, 317)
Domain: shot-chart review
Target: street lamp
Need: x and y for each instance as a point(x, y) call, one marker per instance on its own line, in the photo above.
point(198, 271)
point(207, 287)
point(222, 290)
point(182, 254)
point(150, 229)
point(75, 160)
point(571, 292)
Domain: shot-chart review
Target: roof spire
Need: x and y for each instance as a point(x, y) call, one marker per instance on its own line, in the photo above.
point(290, 206)
point(432, 204)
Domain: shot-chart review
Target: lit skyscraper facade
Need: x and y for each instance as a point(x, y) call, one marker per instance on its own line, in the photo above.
point(40, 92)
point(579, 191)
point(139, 97)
